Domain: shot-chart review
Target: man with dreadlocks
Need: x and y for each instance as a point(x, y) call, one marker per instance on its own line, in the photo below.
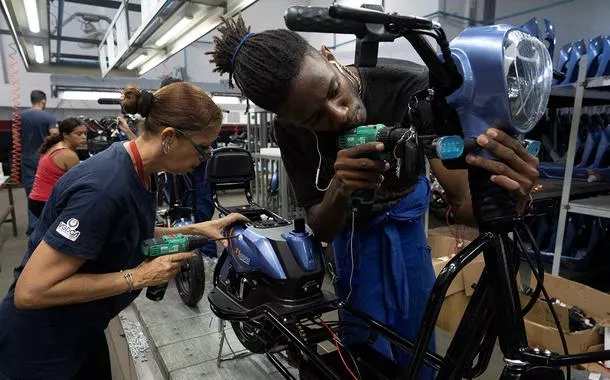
point(383, 263)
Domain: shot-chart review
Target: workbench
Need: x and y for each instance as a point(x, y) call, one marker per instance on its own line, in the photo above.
point(10, 210)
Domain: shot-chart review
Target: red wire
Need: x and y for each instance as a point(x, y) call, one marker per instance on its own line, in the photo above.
point(16, 115)
point(339, 350)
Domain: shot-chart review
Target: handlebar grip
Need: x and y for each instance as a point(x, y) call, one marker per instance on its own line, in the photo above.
point(372, 16)
point(317, 19)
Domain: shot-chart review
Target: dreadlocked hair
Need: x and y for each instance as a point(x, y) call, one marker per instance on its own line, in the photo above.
point(265, 65)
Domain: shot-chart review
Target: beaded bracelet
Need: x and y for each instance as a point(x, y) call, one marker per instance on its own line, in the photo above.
point(129, 278)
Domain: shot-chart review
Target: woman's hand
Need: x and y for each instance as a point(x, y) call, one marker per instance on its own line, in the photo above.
point(213, 228)
point(124, 127)
point(516, 171)
point(159, 270)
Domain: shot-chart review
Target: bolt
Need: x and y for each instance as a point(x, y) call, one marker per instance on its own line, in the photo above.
point(547, 352)
point(536, 350)
point(285, 320)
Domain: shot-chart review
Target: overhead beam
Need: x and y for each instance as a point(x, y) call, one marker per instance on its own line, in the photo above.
point(64, 38)
point(77, 56)
point(76, 70)
point(77, 39)
point(62, 80)
point(107, 4)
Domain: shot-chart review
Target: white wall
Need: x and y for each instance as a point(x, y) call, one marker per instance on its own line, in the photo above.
point(400, 49)
point(573, 20)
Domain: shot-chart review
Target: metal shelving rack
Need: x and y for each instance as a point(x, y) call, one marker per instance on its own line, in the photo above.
point(595, 206)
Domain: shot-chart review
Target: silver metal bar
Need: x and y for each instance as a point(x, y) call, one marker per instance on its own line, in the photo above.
point(596, 206)
point(567, 180)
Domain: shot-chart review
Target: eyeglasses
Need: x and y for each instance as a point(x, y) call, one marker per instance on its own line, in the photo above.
point(202, 151)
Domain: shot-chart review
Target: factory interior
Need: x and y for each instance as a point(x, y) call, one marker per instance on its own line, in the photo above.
point(304, 189)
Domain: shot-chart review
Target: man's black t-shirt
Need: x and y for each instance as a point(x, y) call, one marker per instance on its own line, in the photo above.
point(386, 90)
point(98, 211)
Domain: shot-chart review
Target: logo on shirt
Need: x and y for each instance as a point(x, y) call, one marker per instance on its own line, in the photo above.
point(68, 229)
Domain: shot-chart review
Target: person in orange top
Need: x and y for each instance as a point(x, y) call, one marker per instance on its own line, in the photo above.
point(58, 155)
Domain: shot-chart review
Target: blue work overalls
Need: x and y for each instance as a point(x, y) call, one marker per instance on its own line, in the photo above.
point(393, 273)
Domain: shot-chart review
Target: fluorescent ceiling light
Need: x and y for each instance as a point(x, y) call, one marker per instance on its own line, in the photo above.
point(31, 12)
point(151, 64)
point(88, 95)
point(226, 99)
point(201, 29)
point(38, 53)
point(137, 62)
point(14, 34)
point(173, 32)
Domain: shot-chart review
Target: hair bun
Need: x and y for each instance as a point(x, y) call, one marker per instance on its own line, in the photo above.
point(137, 101)
point(131, 100)
point(145, 103)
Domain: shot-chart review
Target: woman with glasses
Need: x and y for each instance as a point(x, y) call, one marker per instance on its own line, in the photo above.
point(83, 264)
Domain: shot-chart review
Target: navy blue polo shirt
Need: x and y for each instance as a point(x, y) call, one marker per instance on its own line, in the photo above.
point(99, 211)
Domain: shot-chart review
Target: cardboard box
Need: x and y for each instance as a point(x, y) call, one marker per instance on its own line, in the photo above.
point(539, 322)
point(596, 367)
point(542, 332)
point(462, 231)
point(460, 290)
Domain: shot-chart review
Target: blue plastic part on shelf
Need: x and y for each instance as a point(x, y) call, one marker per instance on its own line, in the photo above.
point(579, 48)
point(449, 147)
point(549, 36)
point(594, 51)
point(604, 58)
point(582, 239)
point(532, 27)
point(564, 58)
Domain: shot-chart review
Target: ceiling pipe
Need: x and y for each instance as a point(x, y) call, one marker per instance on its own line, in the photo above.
point(60, 19)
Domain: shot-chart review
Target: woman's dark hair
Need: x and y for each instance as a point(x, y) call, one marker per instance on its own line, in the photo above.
point(65, 127)
point(177, 105)
point(264, 65)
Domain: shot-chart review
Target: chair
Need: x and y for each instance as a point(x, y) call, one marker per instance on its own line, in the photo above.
point(233, 168)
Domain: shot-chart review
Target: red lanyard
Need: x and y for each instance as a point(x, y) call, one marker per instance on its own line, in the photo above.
point(138, 159)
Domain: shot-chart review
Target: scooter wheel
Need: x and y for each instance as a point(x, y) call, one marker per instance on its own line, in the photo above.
point(252, 336)
point(190, 280)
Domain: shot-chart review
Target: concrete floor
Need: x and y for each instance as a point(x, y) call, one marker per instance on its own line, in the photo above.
point(182, 342)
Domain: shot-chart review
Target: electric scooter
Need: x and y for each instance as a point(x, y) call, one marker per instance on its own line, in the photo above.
point(268, 282)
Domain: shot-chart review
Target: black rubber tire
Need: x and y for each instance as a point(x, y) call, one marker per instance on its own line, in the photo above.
point(254, 342)
point(190, 281)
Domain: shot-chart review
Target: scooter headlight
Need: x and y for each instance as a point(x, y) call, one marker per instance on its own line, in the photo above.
point(529, 74)
point(507, 79)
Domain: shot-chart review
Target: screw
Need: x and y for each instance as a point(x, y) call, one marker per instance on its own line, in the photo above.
point(547, 352)
point(536, 350)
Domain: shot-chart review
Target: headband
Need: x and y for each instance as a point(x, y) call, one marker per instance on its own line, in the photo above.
point(239, 47)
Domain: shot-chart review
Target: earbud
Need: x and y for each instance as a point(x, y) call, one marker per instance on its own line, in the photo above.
point(319, 166)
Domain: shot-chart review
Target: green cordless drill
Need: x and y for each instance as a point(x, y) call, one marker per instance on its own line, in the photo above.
point(168, 245)
point(399, 145)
